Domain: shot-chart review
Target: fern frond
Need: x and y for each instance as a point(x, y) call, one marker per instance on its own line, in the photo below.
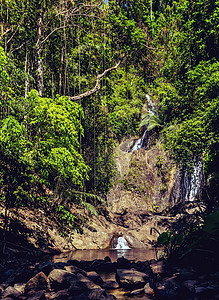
point(88, 195)
point(91, 208)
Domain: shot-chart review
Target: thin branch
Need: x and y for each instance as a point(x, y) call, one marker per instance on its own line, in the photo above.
point(54, 30)
point(72, 12)
point(17, 48)
point(17, 27)
point(4, 33)
point(152, 47)
point(61, 27)
point(97, 85)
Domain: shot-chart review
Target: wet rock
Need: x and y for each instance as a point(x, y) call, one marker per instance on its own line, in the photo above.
point(84, 282)
point(22, 275)
point(110, 285)
point(148, 290)
point(137, 292)
point(10, 292)
point(131, 279)
point(108, 267)
point(189, 286)
point(142, 266)
point(37, 283)
point(186, 274)
point(61, 279)
point(46, 267)
point(93, 276)
point(73, 262)
point(61, 295)
point(3, 286)
point(159, 269)
point(20, 287)
point(123, 263)
point(207, 291)
point(75, 270)
point(168, 289)
point(74, 283)
point(97, 294)
point(60, 265)
point(107, 259)
point(40, 295)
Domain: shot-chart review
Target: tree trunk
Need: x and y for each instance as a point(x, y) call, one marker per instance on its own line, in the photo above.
point(27, 81)
point(40, 54)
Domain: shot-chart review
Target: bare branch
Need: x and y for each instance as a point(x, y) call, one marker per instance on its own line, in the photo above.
point(54, 30)
point(97, 85)
point(3, 33)
point(17, 27)
point(17, 48)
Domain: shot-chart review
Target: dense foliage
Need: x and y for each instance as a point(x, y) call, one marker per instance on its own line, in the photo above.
point(53, 50)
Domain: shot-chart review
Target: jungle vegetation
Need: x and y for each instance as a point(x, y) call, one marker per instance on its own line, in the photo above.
point(73, 79)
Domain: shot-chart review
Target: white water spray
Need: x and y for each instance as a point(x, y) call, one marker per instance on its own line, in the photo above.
point(139, 143)
point(122, 243)
point(194, 186)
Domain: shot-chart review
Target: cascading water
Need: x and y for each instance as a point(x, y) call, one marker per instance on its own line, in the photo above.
point(192, 183)
point(122, 243)
point(139, 143)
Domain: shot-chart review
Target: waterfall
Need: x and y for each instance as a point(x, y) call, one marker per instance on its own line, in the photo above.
point(192, 183)
point(122, 243)
point(139, 143)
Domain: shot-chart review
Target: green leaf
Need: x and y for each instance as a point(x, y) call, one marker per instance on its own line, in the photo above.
point(91, 208)
point(211, 223)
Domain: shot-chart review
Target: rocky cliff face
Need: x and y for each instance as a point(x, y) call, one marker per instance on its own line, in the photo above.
point(146, 180)
point(147, 183)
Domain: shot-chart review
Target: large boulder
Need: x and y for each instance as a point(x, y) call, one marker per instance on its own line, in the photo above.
point(75, 284)
point(131, 279)
point(38, 283)
point(61, 279)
